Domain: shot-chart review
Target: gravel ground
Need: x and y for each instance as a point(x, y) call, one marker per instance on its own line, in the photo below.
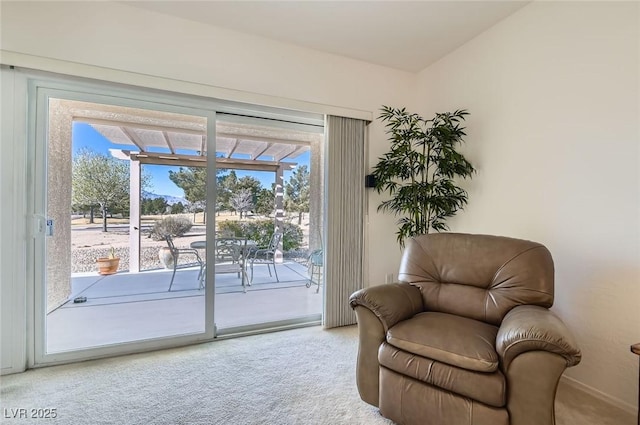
point(88, 243)
point(84, 260)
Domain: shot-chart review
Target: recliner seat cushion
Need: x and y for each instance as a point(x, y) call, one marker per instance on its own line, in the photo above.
point(488, 388)
point(453, 340)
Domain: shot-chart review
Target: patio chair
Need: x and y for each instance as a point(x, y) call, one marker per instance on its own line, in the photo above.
point(176, 252)
point(230, 256)
point(315, 262)
point(266, 255)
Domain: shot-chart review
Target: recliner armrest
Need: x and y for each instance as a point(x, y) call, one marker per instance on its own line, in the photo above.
point(533, 328)
point(390, 303)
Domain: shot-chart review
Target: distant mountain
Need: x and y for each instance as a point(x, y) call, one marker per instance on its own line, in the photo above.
point(170, 199)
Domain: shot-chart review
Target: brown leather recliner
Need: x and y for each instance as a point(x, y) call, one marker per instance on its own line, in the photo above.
point(466, 337)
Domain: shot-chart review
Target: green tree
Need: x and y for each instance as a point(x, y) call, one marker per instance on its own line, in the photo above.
point(177, 208)
point(266, 203)
point(226, 184)
point(146, 206)
point(84, 209)
point(193, 182)
point(153, 206)
point(296, 192)
point(250, 183)
point(160, 205)
point(119, 208)
point(99, 179)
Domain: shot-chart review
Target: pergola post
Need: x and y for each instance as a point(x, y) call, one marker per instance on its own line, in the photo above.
point(316, 189)
point(279, 225)
point(134, 215)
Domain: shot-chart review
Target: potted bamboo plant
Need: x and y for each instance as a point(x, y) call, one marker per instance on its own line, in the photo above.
point(108, 265)
point(420, 169)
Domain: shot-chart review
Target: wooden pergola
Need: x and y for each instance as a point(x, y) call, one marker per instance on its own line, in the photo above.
point(161, 138)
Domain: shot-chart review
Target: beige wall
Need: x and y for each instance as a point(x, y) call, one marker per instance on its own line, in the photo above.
point(553, 93)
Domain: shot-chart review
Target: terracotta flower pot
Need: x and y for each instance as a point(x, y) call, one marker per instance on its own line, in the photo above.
point(107, 265)
point(166, 258)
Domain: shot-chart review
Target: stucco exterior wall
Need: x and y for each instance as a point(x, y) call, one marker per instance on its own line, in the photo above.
point(58, 249)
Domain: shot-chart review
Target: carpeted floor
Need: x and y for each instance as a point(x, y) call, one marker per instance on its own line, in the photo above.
point(302, 376)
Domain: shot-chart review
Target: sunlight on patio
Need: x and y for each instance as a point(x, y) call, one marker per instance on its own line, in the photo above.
point(136, 306)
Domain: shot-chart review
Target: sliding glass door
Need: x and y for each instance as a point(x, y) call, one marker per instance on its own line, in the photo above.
point(161, 220)
point(119, 250)
point(270, 191)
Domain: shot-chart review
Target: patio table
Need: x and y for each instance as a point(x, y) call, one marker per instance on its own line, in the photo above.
point(203, 244)
point(248, 247)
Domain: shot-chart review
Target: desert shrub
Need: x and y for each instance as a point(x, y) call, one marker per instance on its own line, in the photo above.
point(174, 226)
point(261, 230)
point(292, 238)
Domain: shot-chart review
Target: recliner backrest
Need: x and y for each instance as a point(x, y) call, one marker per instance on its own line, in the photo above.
point(478, 276)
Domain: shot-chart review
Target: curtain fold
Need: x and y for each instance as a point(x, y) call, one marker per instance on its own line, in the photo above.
point(345, 195)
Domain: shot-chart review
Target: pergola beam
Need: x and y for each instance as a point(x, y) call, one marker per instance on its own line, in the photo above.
point(262, 139)
point(257, 153)
point(233, 148)
point(176, 160)
point(165, 135)
point(293, 151)
point(133, 137)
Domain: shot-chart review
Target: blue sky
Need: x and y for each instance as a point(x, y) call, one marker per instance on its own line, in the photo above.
point(83, 135)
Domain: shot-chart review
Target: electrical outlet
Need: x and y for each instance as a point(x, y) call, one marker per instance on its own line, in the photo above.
point(388, 278)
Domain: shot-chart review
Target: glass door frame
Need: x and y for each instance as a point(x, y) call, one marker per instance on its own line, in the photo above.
point(39, 92)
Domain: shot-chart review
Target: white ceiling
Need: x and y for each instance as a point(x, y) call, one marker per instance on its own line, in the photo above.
point(406, 35)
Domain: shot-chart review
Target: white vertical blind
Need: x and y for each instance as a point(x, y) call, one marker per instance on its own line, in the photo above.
point(345, 217)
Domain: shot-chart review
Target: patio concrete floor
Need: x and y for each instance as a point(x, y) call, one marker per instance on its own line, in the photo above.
point(128, 307)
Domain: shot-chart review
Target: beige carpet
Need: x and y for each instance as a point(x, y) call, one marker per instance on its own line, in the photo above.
point(302, 376)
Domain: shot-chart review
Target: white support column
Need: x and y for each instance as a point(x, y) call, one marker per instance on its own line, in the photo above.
point(279, 226)
point(134, 215)
point(316, 199)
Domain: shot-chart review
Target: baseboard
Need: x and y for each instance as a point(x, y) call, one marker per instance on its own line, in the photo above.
point(10, 371)
point(599, 395)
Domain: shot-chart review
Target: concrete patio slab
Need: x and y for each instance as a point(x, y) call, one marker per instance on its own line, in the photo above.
point(128, 307)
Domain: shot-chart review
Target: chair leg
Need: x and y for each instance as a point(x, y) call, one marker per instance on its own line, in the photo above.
point(313, 271)
point(244, 281)
point(275, 271)
point(310, 270)
point(173, 275)
point(201, 276)
point(269, 268)
point(245, 275)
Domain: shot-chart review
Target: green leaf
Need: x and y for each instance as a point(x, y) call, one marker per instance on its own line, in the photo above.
point(420, 168)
